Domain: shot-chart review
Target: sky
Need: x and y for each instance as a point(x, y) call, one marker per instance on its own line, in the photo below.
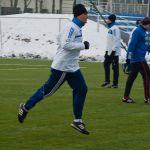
point(29, 35)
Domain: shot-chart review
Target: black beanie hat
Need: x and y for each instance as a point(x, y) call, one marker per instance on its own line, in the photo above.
point(146, 21)
point(78, 10)
point(112, 17)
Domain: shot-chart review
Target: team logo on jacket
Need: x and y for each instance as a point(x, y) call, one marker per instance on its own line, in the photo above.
point(110, 31)
point(79, 35)
point(70, 32)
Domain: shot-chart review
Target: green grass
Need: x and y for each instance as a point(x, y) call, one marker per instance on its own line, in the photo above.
point(113, 125)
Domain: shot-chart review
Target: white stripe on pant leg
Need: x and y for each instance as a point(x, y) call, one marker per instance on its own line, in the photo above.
point(57, 84)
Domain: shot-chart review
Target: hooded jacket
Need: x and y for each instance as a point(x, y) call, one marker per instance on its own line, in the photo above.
point(138, 45)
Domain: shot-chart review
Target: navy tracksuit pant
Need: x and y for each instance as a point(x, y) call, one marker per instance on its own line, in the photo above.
point(115, 67)
point(137, 67)
point(56, 79)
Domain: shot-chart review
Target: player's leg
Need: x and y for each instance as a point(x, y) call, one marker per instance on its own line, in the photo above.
point(55, 80)
point(131, 77)
point(77, 83)
point(145, 72)
point(115, 67)
point(107, 63)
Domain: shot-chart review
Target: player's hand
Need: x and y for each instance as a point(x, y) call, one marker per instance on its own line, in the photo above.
point(106, 54)
point(112, 54)
point(87, 44)
point(128, 61)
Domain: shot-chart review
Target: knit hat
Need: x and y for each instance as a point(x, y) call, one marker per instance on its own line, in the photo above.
point(112, 17)
point(146, 21)
point(79, 9)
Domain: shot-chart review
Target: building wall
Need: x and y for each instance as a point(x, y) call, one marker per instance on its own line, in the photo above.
point(47, 4)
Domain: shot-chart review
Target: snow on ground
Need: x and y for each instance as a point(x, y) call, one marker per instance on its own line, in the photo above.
point(34, 36)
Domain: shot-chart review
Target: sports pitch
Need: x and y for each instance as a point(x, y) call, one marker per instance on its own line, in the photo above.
point(113, 125)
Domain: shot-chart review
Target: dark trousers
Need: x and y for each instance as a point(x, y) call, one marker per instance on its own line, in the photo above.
point(114, 60)
point(137, 67)
point(56, 79)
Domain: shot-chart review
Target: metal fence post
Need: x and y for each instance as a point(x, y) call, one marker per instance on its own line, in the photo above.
point(98, 17)
point(59, 24)
point(1, 36)
point(98, 23)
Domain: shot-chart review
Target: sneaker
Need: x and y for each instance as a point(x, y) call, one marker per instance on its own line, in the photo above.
point(128, 100)
point(22, 113)
point(80, 127)
point(106, 84)
point(114, 86)
point(147, 101)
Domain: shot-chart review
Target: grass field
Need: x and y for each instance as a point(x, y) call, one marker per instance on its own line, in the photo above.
point(113, 124)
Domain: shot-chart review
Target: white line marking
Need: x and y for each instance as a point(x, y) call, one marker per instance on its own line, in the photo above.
point(9, 69)
point(21, 65)
point(21, 69)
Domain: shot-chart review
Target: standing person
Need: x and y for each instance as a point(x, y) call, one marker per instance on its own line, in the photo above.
point(137, 24)
point(137, 49)
point(65, 67)
point(112, 53)
point(127, 66)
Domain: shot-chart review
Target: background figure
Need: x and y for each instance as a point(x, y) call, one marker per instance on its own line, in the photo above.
point(137, 49)
point(137, 24)
point(112, 53)
point(127, 66)
point(65, 67)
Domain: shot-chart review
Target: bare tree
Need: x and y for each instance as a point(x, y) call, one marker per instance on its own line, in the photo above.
point(26, 3)
point(60, 7)
point(41, 5)
point(74, 2)
point(11, 3)
point(36, 6)
point(15, 3)
point(53, 6)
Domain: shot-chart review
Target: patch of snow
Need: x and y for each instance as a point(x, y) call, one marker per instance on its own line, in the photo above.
point(34, 36)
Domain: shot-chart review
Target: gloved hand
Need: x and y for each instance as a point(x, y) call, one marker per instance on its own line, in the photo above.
point(87, 44)
point(128, 61)
point(126, 67)
point(112, 54)
point(106, 54)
